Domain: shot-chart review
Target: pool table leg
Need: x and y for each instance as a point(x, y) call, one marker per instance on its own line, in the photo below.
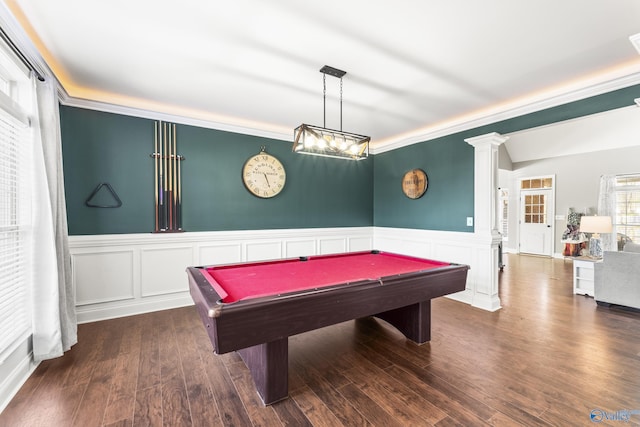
point(414, 321)
point(269, 367)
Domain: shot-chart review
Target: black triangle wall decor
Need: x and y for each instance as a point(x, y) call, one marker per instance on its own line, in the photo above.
point(95, 192)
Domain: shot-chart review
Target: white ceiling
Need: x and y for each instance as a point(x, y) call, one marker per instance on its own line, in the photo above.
point(413, 66)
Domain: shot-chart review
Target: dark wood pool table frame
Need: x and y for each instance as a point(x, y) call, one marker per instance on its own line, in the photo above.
point(259, 328)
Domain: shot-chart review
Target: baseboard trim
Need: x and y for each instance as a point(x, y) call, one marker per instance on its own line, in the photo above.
point(16, 369)
point(465, 296)
point(95, 314)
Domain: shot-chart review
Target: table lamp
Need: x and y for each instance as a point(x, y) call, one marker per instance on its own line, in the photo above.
point(595, 225)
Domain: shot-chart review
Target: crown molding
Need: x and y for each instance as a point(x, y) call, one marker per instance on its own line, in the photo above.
point(381, 147)
point(519, 110)
point(70, 101)
point(635, 41)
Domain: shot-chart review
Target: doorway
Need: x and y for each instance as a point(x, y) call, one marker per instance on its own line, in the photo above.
point(537, 212)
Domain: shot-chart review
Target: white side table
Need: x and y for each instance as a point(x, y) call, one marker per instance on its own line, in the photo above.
point(583, 275)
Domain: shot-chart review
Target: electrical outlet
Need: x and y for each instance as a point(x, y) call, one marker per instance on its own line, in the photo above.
point(469, 221)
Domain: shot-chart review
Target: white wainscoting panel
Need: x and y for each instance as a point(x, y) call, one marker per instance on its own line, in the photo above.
point(399, 245)
point(458, 247)
point(110, 273)
point(163, 270)
point(220, 254)
point(333, 246)
point(122, 275)
point(296, 248)
point(127, 274)
point(259, 251)
point(357, 244)
point(453, 253)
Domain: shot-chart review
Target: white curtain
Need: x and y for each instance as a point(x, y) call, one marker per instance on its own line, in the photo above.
point(53, 316)
point(607, 207)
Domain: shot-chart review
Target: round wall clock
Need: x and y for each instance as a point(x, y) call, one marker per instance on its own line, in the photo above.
point(263, 175)
point(414, 183)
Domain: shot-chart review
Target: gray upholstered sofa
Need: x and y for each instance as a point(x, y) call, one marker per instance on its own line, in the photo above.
point(617, 277)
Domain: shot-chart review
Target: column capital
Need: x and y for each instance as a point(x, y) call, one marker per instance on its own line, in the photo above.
point(493, 138)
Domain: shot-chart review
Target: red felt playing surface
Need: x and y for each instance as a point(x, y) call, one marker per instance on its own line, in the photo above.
point(244, 281)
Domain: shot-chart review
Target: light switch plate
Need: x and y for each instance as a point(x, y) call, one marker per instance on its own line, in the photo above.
point(469, 221)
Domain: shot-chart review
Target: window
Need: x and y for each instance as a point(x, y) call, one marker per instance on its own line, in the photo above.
point(15, 227)
point(535, 183)
point(535, 210)
point(627, 217)
point(503, 200)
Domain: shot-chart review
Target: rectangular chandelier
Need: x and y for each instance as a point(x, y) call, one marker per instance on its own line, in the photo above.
point(319, 141)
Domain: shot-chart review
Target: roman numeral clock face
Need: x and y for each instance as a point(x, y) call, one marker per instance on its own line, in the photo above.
point(263, 175)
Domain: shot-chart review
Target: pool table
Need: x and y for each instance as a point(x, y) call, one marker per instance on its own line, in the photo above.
point(254, 307)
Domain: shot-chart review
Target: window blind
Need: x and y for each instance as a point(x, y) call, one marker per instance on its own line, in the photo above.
point(15, 318)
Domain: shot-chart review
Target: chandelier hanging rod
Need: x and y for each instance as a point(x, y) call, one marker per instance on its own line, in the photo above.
point(335, 73)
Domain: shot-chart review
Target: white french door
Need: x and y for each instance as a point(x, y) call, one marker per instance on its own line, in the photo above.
point(537, 212)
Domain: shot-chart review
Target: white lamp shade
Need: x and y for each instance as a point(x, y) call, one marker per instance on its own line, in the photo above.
point(596, 224)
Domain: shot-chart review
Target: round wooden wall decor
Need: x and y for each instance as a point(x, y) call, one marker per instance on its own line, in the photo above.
point(415, 183)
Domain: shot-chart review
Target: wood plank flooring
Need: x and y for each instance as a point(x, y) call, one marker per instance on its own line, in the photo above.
point(548, 357)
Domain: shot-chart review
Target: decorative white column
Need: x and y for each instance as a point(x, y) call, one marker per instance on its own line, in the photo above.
point(485, 207)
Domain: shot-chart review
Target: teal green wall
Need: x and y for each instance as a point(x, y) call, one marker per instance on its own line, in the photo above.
point(320, 192)
point(449, 164)
point(102, 147)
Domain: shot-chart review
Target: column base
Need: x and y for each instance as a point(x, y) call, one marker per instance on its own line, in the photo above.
point(486, 302)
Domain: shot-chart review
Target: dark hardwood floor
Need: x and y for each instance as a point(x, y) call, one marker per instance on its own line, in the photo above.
point(548, 357)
